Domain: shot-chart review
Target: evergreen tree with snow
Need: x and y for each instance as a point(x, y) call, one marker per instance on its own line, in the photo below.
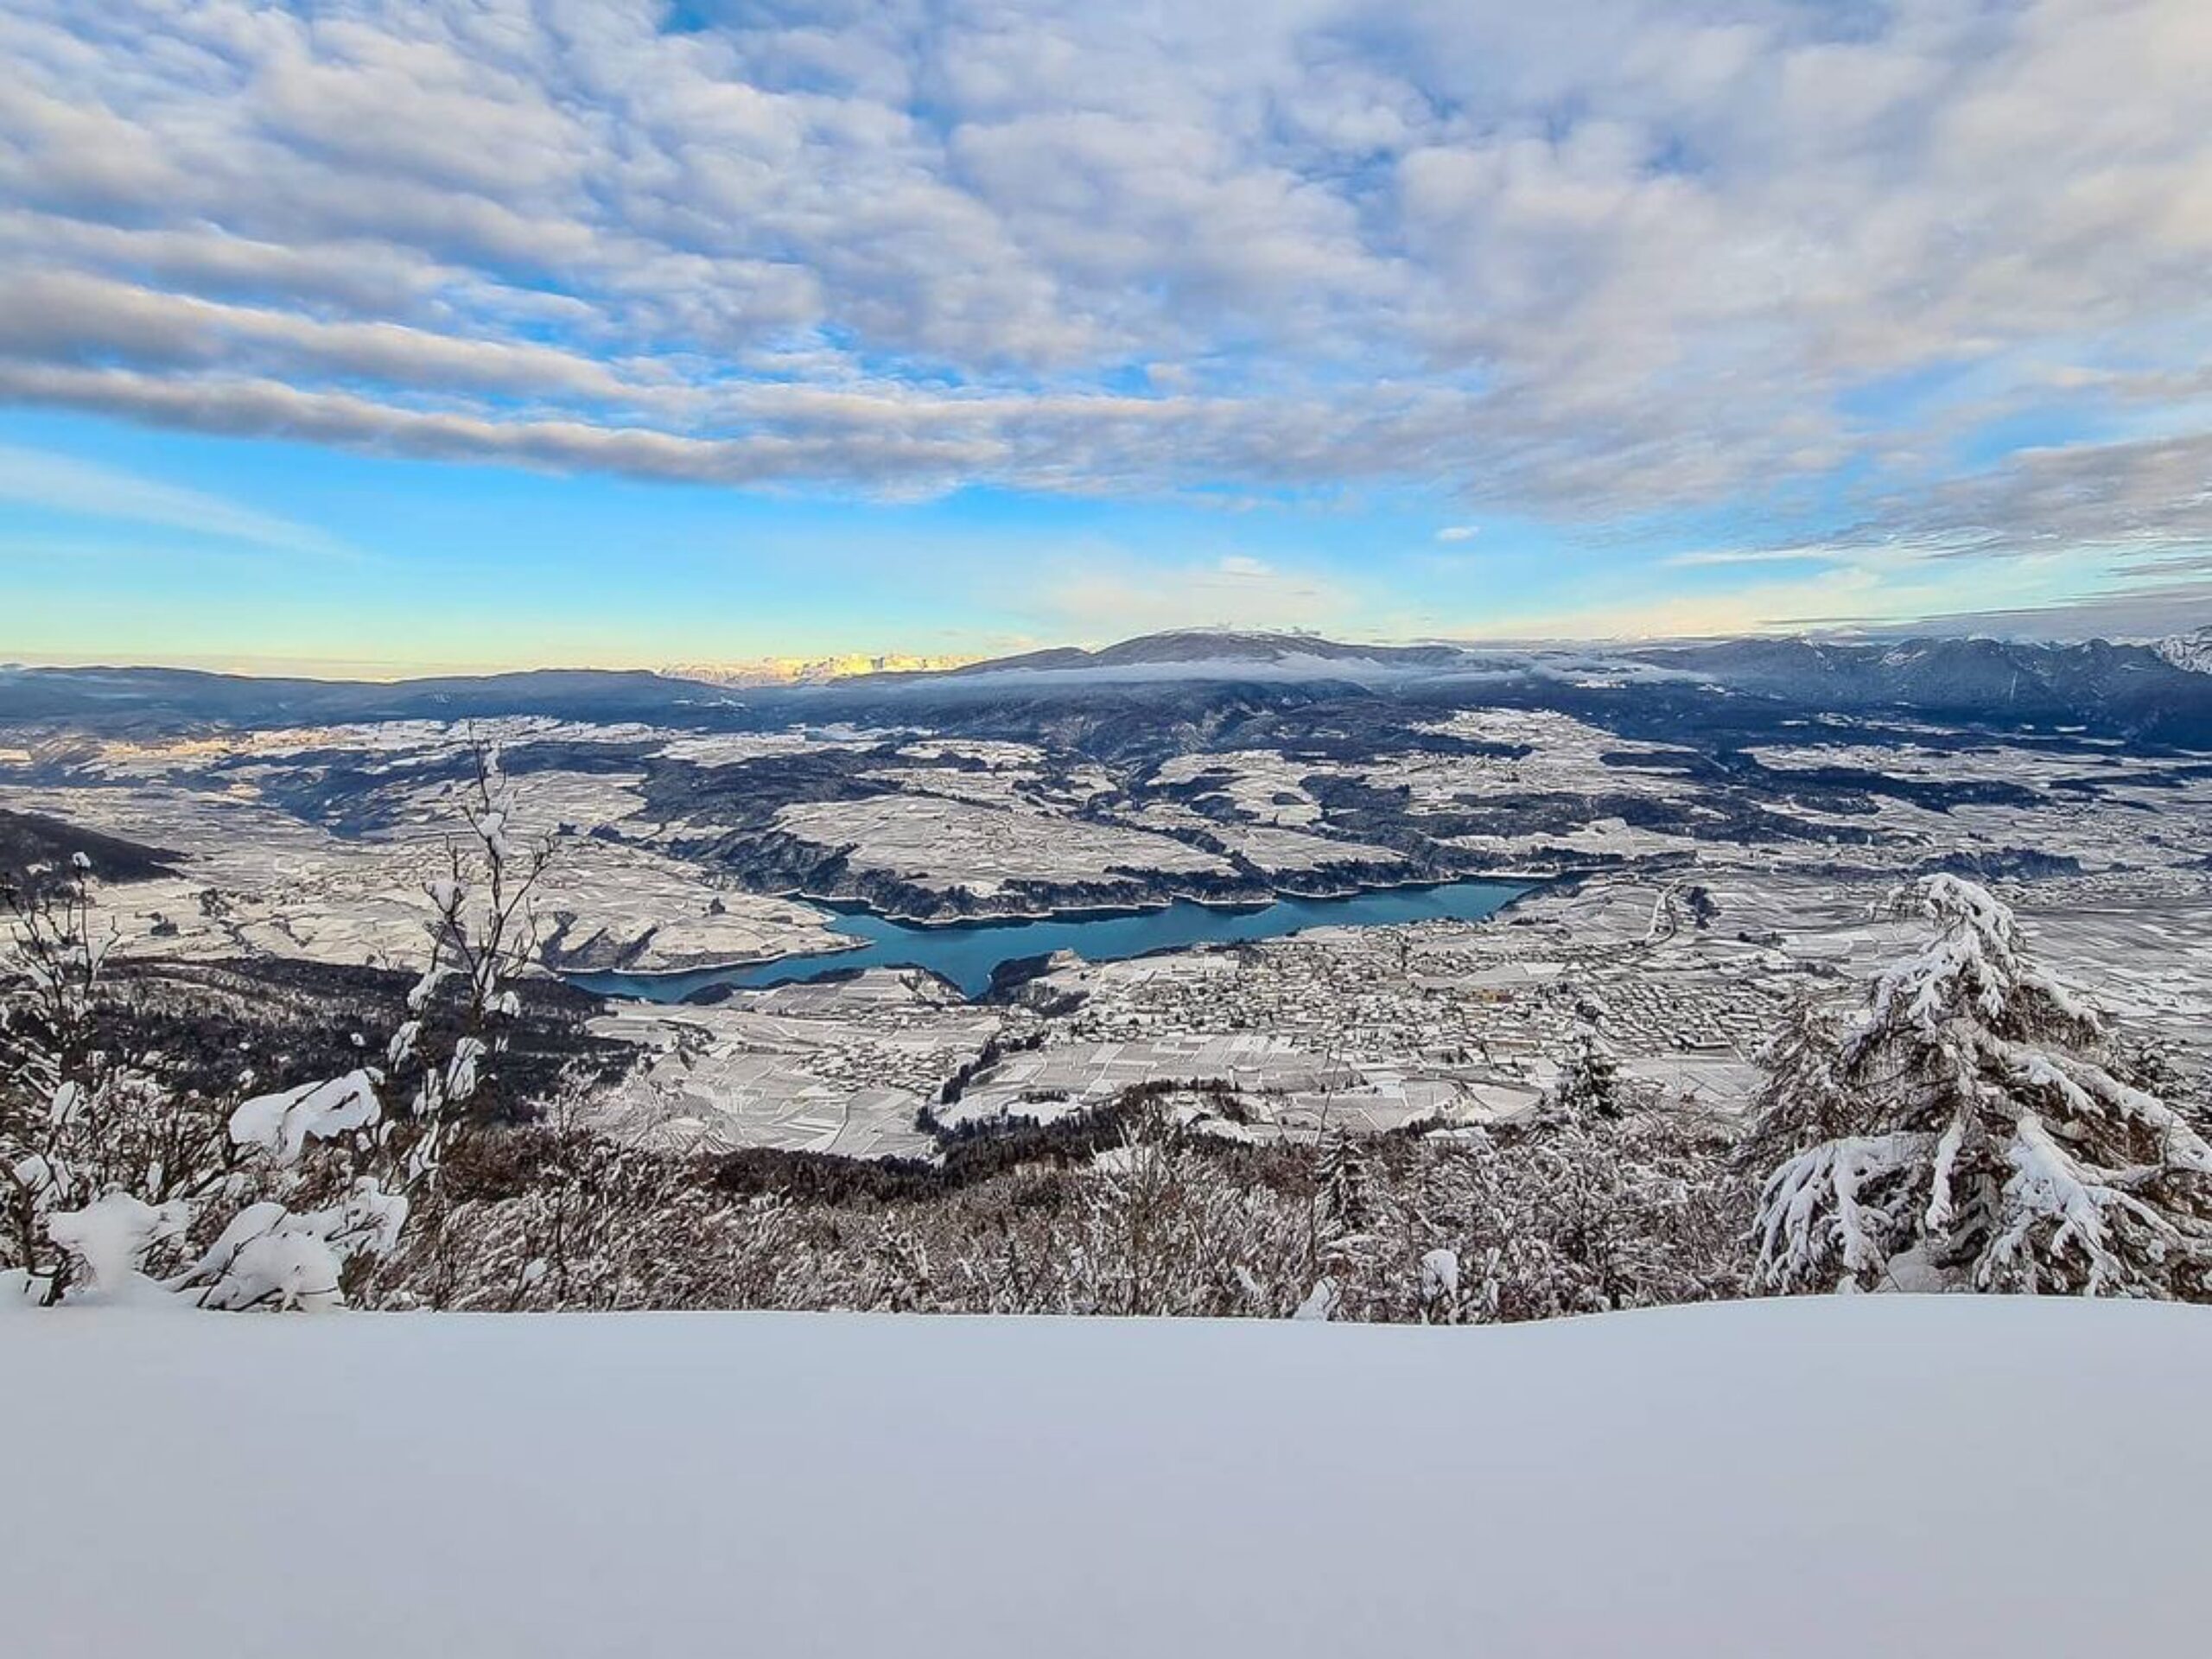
point(1589, 1081)
point(1347, 1205)
point(1347, 1214)
point(1976, 1127)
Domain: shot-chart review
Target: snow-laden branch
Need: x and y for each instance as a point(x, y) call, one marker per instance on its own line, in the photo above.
point(281, 1124)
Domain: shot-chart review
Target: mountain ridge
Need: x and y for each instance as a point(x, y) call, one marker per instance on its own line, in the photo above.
point(2157, 691)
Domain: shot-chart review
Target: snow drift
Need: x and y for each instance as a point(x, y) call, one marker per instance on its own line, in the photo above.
point(1835, 1476)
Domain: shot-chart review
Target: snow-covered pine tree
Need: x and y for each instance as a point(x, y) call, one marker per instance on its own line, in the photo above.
point(1976, 1127)
point(1804, 1100)
point(1589, 1080)
point(1346, 1211)
point(1345, 1199)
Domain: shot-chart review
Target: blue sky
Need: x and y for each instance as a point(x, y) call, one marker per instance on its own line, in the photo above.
point(388, 337)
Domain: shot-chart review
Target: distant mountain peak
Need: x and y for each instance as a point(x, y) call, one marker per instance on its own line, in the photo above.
point(1197, 648)
point(2191, 651)
point(809, 671)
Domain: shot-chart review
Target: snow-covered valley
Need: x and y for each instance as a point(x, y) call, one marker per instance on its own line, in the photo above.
point(1694, 880)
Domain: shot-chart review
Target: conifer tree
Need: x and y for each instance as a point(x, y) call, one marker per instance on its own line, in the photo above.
point(1976, 1127)
point(1589, 1082)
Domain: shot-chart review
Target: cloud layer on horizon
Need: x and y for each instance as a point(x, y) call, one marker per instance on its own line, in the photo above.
point(1931, 271)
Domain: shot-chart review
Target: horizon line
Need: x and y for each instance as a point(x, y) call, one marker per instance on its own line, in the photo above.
point(369, 671)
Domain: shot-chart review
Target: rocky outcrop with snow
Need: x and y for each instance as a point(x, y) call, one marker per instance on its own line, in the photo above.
point(2192, 652)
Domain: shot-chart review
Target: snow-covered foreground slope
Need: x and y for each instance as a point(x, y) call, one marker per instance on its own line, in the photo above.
point(1830, 1476)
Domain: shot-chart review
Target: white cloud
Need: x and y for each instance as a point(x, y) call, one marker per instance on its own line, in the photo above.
point(1459, 533)
point(1669, 256)
point(57, 483)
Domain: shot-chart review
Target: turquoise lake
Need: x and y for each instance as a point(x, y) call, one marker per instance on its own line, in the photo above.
point(967, 953)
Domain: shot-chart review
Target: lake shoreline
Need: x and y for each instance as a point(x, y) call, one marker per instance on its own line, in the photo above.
point(964, 953)
point(1529, 882)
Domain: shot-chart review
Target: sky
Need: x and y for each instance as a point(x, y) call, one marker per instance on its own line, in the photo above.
point(404, 335)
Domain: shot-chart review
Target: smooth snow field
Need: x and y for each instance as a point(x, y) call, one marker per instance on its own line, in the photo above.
point(1837, 1476)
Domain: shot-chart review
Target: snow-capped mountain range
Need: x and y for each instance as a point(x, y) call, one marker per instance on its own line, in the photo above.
point(809, 671)
point(2160, 691)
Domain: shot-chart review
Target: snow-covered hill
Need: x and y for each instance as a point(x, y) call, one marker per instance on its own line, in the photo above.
point(1200, 655)
point(1220, 653)
point(1878, 1475)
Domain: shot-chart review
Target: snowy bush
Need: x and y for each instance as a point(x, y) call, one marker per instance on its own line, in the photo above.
point(1978, 1127)
point(1580, 1215)
point(1463, 1226)
point(119, 1183)
point(1161, 1232)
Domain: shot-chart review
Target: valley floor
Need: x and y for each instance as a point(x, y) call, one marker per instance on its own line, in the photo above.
point(1832, 1476)
point(680, 849)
